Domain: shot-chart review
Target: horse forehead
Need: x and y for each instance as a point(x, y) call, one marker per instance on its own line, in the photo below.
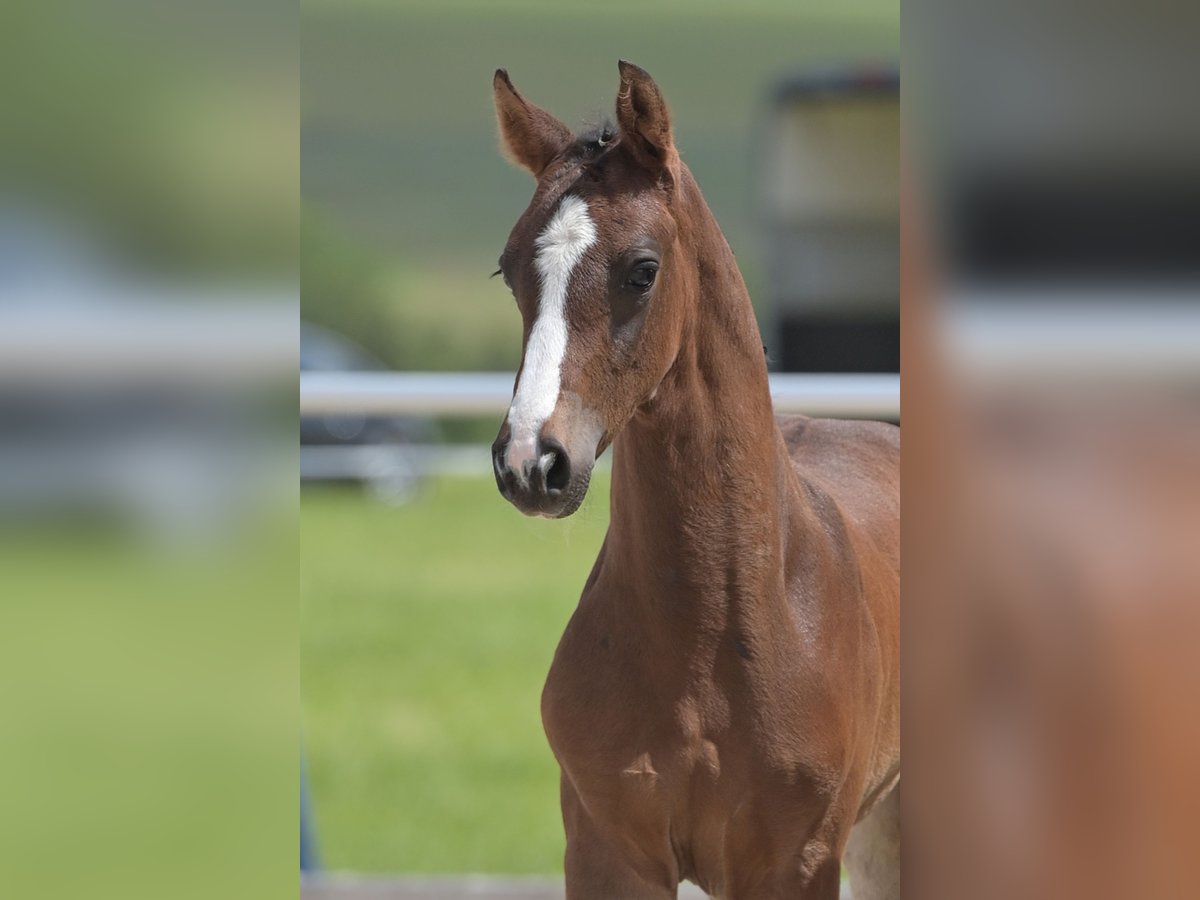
point(538, 224)
point(613, 213)
point(532, 223)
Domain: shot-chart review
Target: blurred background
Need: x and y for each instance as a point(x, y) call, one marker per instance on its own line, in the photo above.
point(430, 608)
point(153, 234)
point(149, 182)
point(1051, 285)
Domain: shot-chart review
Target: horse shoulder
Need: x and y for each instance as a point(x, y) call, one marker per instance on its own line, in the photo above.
point(850, 473)
point(857, 463)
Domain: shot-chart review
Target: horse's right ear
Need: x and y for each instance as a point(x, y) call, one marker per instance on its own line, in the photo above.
point(529, 136)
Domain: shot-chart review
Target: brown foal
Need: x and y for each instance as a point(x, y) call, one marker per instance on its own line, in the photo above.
point(725, 701)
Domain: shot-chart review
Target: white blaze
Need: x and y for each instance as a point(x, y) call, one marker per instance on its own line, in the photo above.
point(560, 247)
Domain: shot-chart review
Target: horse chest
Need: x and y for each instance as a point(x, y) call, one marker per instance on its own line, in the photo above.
point(655, 774)
point(644, 752)
point(633, 760)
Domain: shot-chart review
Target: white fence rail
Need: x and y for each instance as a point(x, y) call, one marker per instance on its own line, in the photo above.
point(489, 393)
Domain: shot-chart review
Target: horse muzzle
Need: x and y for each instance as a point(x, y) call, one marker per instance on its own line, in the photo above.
point(539, 477)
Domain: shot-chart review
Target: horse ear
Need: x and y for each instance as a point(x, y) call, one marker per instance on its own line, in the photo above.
point(645, 123)
point(529, 136)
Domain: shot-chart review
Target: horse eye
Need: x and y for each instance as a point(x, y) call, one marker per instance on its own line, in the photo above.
point(643, 275)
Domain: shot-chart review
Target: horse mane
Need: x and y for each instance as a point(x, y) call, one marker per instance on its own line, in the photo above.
point(596, 140)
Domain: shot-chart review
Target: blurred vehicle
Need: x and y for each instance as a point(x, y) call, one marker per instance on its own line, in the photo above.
point(378, 451)
point(830, 150)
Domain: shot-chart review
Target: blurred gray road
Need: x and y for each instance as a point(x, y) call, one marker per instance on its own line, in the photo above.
point(471, 887)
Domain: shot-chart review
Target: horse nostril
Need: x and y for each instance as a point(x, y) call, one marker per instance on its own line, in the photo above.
point(555, 466)
point(560, 473)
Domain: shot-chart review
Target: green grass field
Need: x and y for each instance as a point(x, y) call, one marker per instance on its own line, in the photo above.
point(426, 633)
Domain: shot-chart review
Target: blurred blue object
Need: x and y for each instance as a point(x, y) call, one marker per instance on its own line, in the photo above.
point(308, 843)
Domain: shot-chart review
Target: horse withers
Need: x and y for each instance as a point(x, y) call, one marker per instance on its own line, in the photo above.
point(724, 703)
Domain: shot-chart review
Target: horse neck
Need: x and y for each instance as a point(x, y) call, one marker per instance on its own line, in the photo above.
point(700, 473)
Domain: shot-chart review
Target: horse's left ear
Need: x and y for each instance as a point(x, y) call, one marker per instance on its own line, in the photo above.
point(645, 123)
